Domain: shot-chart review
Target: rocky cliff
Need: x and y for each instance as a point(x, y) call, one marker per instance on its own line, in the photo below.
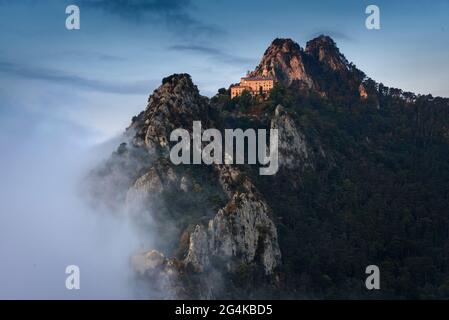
point(223, 231)
point(284, 62)
point(315, 68)
point(238, 234)
point(241, 232)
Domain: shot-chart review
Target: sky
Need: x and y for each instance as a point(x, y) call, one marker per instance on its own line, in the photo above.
point(62, 92)
point(98, 77)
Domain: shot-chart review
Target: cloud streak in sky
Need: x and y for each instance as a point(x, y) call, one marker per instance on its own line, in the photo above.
point(89, 55)
point(64, 78)
point(334, 34)
point(138, 7)
point(214, 53)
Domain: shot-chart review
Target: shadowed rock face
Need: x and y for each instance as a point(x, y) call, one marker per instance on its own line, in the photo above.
point(295, 152)
point(324, 50)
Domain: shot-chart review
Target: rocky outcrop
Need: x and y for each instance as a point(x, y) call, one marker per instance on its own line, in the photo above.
point(362, 91)
point(148, 261)
point(159, 177)
point(368, 88)
point(294, 153)
point(217, 230)
point(244, 232)
point(241, 233)
point(163, 272)
point(199, 249)
point(310, 69)
point(175, 104)
point(240, 230)
point(283, 61)
point(324, 50)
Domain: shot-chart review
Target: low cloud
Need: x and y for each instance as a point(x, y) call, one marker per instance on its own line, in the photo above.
point(46, 225)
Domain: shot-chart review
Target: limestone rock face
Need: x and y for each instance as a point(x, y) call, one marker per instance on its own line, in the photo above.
point(153, 264)
point(283, 60)
point(294, 152)
point(244, 230)
point(175, 104)
point(198, 254)
point(159, 177)
point(240, 233)
point(148, 261)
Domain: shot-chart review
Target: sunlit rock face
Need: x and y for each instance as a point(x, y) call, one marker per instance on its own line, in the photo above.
point(283, 61)
point(175, 104)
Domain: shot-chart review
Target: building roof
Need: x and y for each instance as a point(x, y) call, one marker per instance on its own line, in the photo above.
point(239, 86)
point(257, 78)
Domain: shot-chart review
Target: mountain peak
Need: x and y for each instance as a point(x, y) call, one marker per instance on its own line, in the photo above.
point(324, 49)
point(176, 103)
point(283, 61)
point(322, 39)
point(285, 44)
point(175, 78)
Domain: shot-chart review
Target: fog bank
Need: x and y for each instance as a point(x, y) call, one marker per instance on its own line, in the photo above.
point(45, 225)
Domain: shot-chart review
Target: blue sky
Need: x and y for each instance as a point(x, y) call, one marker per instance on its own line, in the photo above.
point(98, 77)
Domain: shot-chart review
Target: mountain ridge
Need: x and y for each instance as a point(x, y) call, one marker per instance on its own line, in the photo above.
point(226, 232)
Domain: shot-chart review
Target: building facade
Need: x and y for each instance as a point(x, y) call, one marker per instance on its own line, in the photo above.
point(254, 85)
